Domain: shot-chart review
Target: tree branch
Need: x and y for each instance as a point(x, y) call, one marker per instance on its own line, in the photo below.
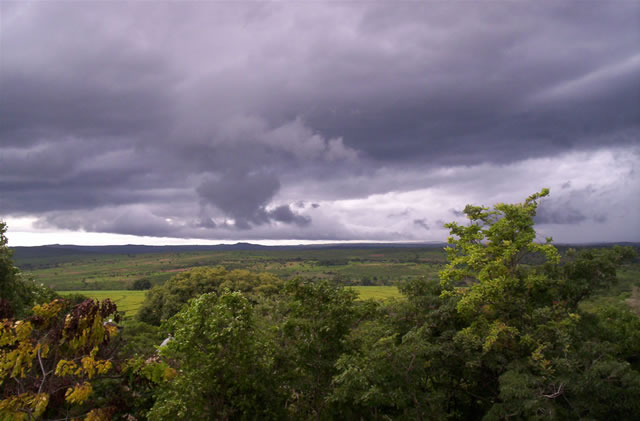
point(44, 373)
point(556, 393)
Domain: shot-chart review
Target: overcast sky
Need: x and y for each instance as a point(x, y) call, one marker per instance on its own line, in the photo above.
point(203, 122)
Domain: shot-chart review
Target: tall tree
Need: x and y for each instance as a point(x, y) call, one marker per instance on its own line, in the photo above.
point(502, 336)
point(225, 363)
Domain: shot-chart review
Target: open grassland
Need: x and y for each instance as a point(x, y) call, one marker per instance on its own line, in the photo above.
point(128, 302)
point(369, 267)
point(377, 292)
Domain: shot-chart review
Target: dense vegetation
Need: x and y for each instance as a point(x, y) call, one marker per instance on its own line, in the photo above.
point(513, 329)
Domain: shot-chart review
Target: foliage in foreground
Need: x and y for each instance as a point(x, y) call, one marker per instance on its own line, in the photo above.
point(50, 362)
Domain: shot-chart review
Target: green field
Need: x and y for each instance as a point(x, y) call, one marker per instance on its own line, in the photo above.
point(377, 293)
point(129, 302)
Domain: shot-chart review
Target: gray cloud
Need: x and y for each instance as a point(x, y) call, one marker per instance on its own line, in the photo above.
point(403, 214)
point(422, 223)
point(244, 198)
point(128, 221)
point(284, 214)
point(571, 207)
point(111, 115)
point(560, 215)
point(241, 196)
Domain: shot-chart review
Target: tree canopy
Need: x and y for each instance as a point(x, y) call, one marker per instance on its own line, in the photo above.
point(164, 301)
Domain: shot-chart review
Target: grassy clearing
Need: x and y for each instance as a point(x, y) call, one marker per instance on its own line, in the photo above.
point(128, 302)
point(377, 292)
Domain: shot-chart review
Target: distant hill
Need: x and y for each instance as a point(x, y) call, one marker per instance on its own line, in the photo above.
point(64, 250)
point(68, 249)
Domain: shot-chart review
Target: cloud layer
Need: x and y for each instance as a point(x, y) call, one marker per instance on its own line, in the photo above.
point(317, 120)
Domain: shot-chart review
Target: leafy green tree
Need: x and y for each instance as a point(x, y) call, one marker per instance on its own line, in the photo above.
point(485, 261)
point(523, 322)
point(141, 284)
point(17, 295)
point(225, 364)
point(139, 339)
point(313, 320)
point(14, 296)
point(162, 302)
point(404, 364)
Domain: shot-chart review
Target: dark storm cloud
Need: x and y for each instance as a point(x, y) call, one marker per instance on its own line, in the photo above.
point(496, 92)
point(245, 197)
point(130, 221)
point(561, 215)
point(403, 215)
point(284, 214)
point(422, 223)
point(571, 207)
point(242, 196)
point(178, 121)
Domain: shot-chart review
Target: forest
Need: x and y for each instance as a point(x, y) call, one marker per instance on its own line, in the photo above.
point(507, 327)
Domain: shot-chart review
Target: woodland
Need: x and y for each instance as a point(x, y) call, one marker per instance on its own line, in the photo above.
point(511, 328)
